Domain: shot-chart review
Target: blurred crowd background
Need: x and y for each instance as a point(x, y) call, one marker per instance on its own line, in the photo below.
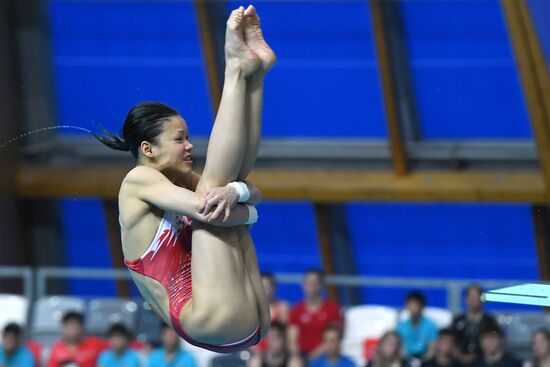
point(316, 332)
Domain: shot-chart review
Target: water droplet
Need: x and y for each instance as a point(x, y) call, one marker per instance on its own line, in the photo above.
point(35, 131)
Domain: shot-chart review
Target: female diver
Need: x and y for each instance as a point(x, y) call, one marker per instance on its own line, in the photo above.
point(214, 299)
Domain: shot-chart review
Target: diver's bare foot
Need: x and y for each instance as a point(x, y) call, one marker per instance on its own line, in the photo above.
point(237, 54)
point(255, 39)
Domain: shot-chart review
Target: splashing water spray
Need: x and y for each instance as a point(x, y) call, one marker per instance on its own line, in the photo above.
point(35, 131)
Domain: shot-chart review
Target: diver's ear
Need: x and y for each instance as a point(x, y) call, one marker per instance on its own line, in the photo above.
point(147, 149)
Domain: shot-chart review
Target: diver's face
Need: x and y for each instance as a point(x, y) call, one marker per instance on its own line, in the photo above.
point(173, 150)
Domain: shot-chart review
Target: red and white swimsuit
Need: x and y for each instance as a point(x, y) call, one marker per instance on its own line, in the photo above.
point(168, 261)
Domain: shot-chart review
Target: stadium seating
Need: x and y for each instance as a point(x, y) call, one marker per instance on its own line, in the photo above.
point(14, 309)
point(48, 312)
point(364, 323)
point(46, 319)
point(148, 324)
point(103, 312)
point(519, 328)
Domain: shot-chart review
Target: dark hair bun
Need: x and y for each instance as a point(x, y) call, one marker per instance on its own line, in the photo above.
point(112, 141)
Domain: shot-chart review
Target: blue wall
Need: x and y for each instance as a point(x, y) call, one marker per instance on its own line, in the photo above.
point(465, 77)
point(111, 55)
point(445, 241)
point(326, 81)
point(86, 243)
point(540, 13)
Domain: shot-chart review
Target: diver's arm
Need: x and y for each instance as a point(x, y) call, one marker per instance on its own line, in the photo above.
point(154, 188)
point(255, 194)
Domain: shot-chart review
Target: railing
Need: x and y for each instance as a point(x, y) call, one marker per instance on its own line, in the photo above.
point(24, 273)
point(43, 274)
point(453, 287)
point(35, 281)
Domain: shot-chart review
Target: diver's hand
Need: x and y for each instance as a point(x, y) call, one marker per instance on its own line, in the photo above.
point(218, 201)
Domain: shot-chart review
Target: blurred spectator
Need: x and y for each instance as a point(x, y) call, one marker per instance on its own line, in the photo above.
point(170, 354)
point(493, 354)
point(445, 350)
point(541, 348)
point(279, 309)
point(36, 349)
point(388, 352)
point(119, 355)
point(332, 346)
point(74, 347)
point(277, 353)
point(417, 332)
point(310, 317)
point(236, 359)
point(13, 353)
point(467, 325)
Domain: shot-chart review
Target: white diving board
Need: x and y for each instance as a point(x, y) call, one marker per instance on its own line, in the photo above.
point(525, 294)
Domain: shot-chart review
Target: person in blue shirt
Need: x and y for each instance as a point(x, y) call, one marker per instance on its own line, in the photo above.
point(119, 355)
point(417, 332)
point(170, 354)
point(12, 352)
point(332, 346)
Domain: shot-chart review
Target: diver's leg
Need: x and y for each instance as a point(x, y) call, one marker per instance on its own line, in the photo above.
point(253, 112)
point(255, 88)
point(251, 264)
point(223, 308)
point(227, 144)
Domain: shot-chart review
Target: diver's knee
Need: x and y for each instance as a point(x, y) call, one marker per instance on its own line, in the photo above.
point(207, 183)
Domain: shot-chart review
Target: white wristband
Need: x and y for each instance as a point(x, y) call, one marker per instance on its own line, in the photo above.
point(252, 214)
point(242, 189)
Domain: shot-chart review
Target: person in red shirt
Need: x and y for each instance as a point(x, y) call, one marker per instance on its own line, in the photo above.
point(75, 347)
point(36, 350)
point(310, 317)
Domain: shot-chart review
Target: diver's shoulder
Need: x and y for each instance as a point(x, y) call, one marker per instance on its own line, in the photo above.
point(142, 175)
